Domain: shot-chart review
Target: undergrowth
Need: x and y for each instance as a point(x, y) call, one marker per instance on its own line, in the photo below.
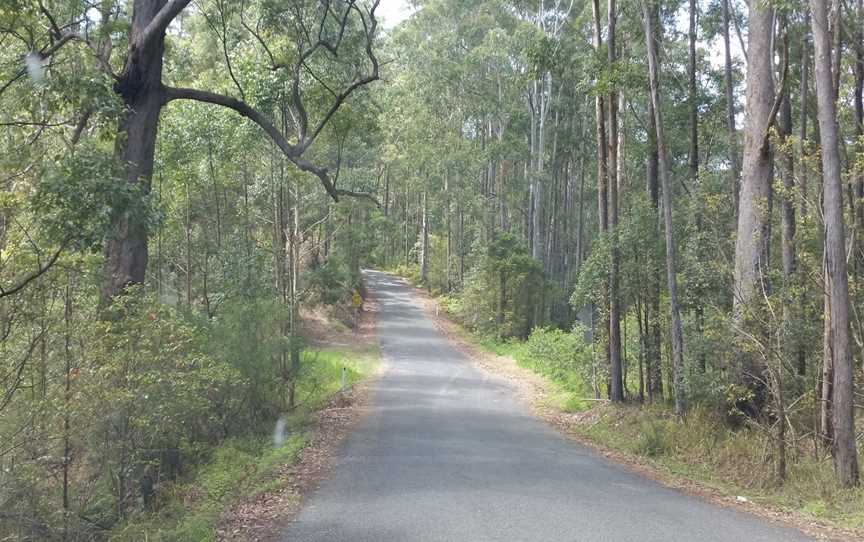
point(242, 467)
point(736, 462)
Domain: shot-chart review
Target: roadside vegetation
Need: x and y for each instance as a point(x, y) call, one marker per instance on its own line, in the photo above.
point(700, 452)
point(244, 467)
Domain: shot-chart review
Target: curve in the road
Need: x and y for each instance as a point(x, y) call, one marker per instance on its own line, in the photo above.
point(447, 454)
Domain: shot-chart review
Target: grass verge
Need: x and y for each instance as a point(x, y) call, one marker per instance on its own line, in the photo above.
point(243, 467)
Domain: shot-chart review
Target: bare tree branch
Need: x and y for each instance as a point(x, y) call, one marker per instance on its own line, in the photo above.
point(41, 270)
point(161, 21)
point(294, 152)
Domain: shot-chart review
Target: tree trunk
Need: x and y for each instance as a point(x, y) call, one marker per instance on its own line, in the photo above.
point(836, 279)
point(616, 391)
point(672, 280)
point(140, 88)
point(803, 100)
point(424, 242)
point(859, 135)
point(602, 191)
point(652, 306)
point(448, 247)
point(692, 99)
point(791, 344)
point(293, 284)
point(753, 215)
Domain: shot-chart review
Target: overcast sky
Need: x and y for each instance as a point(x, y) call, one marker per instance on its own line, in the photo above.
point(393, 12)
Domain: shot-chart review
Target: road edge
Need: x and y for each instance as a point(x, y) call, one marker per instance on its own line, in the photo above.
point(531, 389)
point(266, 517)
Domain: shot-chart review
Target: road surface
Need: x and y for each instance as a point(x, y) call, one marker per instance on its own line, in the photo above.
point(446, 453)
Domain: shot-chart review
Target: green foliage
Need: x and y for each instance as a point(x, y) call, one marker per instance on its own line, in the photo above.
point(330, 283)
point(246, 336)
point(80, 194)
point(245, 466)
point(237, 468)
point(559, 355)
point(498, 295)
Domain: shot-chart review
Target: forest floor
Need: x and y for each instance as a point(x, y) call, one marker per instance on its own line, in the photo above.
point(611, 431)
point(261, 516)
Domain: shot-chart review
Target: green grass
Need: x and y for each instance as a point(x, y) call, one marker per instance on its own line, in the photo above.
point(565, 391)
point(246, 466)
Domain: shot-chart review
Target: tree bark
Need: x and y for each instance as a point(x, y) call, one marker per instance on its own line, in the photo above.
point(602, 185)
point(729, 86)
point(836, 279)
point(692, 99)
point(753, 214)
point(424, 242)
point(652, 306)
point(616, 391)
point(859, 135)
point(666, 185)
point(803, 100)
point(140, 88)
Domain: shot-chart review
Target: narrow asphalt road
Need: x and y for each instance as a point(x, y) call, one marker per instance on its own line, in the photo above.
point(447, 454)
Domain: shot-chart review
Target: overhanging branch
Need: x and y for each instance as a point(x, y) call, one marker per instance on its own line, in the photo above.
point(292, 153)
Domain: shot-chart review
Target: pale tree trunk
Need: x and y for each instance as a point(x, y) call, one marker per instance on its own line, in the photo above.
point(803, 99)
point(753, 214)
point(859, 135)
point(621, 175)
point(538, 173)
point(602, 186)
point(666, 185)
point(67, 398)
point(792, 346)
point(580, 223)
point(448, 247)
point(826, 390)
point(616, 391)
point(293, 251)
point(693, 156)
point(692, 99)
point(836, 279)
point(405, 236)
point(188, 228)
point(529, 173)
point(787, 247)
